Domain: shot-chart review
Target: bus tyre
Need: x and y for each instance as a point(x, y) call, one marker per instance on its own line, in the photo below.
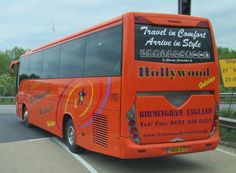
point(70, 137)
point(25, 117)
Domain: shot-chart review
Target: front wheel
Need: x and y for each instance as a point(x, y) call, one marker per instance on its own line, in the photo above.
point(70, 137)
point(25, 117)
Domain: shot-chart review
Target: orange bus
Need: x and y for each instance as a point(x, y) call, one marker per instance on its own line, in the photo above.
point(139, 85)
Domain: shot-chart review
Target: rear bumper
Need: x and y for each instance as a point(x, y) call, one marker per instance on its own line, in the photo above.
point(130, 150)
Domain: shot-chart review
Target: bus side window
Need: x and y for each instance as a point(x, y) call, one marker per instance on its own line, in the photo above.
point(103, 52)
point(24, 69)
point(51, 62)
point(72, 58)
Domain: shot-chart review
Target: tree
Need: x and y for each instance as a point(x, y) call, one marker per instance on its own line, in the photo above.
point(7, 82)
point(7, 56)
point(7, 85)
point(15, 53)
point(224, 52)
point(4, 61)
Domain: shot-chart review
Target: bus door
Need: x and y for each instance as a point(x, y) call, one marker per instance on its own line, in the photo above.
point(14, 68)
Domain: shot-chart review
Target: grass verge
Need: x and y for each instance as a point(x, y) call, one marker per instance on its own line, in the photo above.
point(227, 137)
point(228, 114)
point(7, 101)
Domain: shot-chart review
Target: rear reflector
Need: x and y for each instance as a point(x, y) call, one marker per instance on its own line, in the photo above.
point(215, 121)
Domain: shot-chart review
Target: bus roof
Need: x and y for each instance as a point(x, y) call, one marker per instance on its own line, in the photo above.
point(109, 22)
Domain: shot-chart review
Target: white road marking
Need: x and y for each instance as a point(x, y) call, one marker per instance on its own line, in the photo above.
point(28, 140)
point(76, 156)
point(226, 152)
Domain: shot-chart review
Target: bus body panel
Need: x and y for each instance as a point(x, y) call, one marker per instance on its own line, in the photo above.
point(146, 86)
point(92, 103)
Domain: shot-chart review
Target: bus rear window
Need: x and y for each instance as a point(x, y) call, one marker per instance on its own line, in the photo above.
point(172, 44)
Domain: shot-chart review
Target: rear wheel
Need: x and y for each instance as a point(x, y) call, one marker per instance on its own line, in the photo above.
point(25, 117)
point(70, 137)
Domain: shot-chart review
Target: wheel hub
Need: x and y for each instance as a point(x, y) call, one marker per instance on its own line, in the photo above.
point(71, 135)
point(25, 116)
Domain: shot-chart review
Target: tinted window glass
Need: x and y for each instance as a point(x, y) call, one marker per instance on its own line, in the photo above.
point(173, 44)
point(51, 62)
point(72, 55)
point(36, 61)
point(103, 52)
point(24, 68)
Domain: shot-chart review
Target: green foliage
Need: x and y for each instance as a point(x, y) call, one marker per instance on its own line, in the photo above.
point(228, 114)
point(225, 53)
point(7, 56)
point(15, 53)
point(7, 85)
point(7, 101)
point(4, 61)
point(228, 137)
point(223, 89)
point(7, 82)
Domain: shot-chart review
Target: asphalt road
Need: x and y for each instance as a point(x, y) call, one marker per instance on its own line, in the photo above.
point(11, 129)
point(40, 152)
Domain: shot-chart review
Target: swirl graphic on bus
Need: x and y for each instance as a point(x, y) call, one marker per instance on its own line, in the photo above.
point(102, 106)
point(78, 95)
point(79, 99)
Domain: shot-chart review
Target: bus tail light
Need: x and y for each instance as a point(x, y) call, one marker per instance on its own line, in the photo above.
point(132, 125)
point(215, 121)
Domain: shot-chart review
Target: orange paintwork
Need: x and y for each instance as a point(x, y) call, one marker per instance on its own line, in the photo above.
point(48, 101)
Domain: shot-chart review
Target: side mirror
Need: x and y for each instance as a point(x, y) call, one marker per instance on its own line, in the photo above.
point(12, 65)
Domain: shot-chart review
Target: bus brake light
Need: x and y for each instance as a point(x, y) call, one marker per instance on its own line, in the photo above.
point(132, 125)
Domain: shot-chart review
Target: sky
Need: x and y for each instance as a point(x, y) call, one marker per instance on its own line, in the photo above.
point(32, 23)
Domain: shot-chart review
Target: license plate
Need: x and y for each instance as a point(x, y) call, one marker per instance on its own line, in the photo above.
point(177, 150)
